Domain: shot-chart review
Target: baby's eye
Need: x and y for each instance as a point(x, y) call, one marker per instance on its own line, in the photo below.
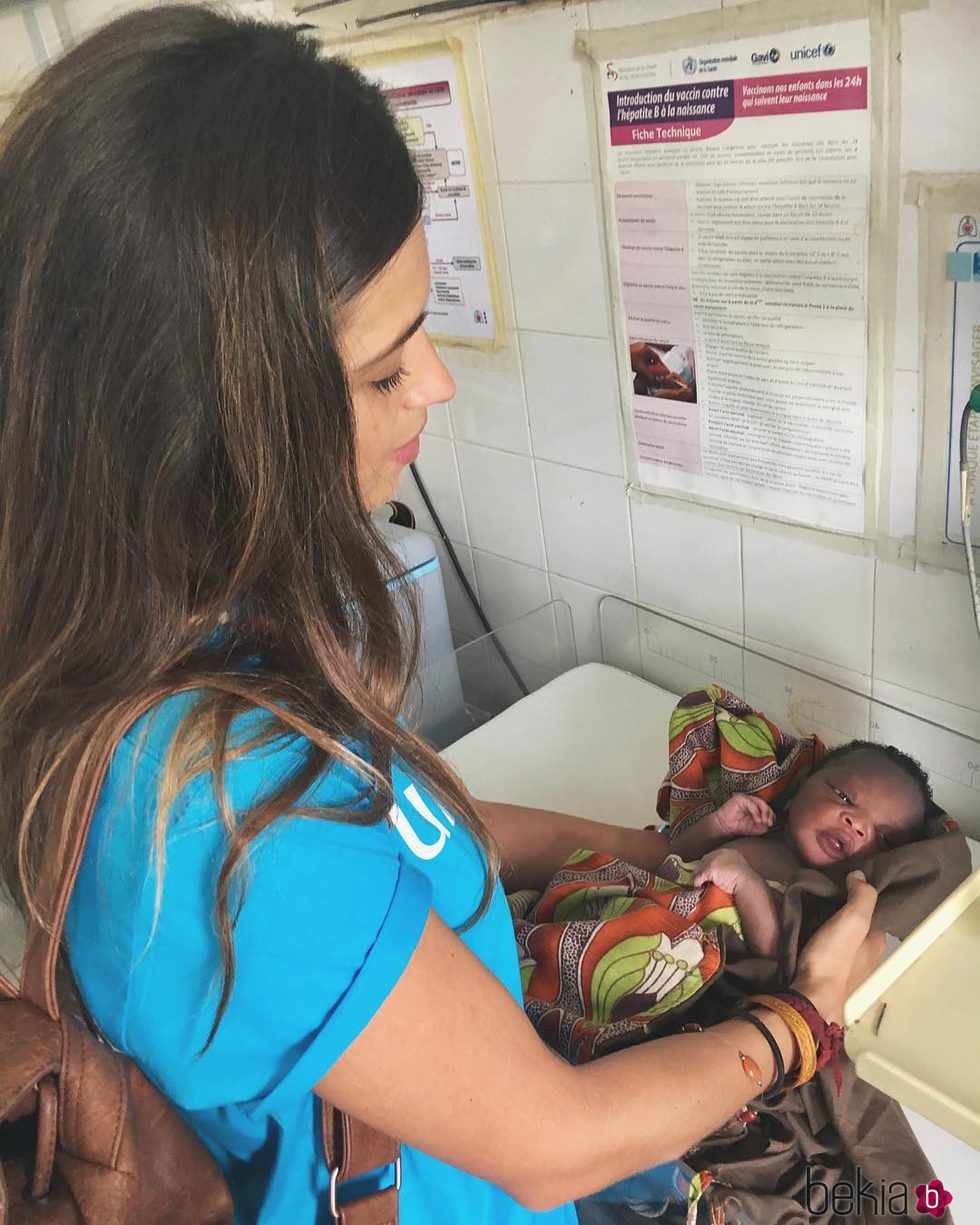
point(840, 794)
point(883, 840)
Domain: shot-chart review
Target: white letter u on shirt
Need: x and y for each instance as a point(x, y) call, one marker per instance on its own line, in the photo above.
point(424, 850)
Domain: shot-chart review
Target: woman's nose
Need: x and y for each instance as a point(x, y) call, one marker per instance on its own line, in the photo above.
point(439, 385)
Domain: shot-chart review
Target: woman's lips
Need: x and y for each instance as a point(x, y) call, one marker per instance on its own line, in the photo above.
point(409, 453)
point(837, 846)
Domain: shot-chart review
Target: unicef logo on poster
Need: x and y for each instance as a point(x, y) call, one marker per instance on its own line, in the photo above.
point(690, 65)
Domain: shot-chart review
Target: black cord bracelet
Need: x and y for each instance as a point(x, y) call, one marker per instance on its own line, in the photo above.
point(776, 1088)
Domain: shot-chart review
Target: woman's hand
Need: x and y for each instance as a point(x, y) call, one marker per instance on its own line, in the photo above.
point(744, 816)
point(841, 955)
point(728, 869)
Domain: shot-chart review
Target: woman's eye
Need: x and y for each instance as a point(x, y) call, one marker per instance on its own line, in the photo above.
point(389, 384)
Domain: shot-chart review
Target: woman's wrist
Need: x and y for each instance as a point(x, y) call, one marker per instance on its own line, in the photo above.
point(825, 997)
point(747, 1037)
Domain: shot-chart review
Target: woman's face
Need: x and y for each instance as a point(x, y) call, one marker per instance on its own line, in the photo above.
point(393, 369)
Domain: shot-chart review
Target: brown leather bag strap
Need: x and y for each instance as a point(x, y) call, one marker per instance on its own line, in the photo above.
point(352, 1148)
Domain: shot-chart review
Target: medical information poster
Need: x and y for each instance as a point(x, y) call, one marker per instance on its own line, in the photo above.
point(739, 174)
point(425, 97)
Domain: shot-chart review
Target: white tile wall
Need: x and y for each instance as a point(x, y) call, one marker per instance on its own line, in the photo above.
point(586, 527)
point(501, 504)
point(939, 69)
point(511, 590)
point(904, 452)
point(573, 400)
point(606, 13)
point(463, 619)
point(556, 263)
point(925, 636)
point(688, 564)
point(438, 422)
point(816, 601)
point(489, 405)
point(802, 703)
point(518, 606)
point(437, 468)
point(536, 89)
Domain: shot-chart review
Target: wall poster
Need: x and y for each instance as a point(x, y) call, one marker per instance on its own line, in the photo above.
point(739, 174)
point(425, 90)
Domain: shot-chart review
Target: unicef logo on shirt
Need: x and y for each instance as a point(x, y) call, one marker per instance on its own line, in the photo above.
point(690, 65)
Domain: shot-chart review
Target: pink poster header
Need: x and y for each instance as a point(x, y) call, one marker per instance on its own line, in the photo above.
point(699, 111)
point(801, 93)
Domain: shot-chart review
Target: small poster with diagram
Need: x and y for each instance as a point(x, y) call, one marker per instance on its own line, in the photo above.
point(426, 90)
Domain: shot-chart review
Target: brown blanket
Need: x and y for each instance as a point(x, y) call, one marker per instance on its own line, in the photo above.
point(611, 954)
point(813, 1135)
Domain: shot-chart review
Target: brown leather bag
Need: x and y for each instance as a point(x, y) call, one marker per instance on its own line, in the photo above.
point(85, 1138)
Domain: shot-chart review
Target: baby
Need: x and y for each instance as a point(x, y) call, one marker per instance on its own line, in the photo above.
point(863, 798)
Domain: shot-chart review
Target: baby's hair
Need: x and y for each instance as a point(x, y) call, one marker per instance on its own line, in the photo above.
point(887, 752)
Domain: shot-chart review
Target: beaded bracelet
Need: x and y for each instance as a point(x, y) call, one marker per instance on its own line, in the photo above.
point(776, 1088)
point(749, 1065)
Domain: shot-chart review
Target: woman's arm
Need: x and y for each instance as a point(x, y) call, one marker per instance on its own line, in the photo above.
point(451, 1065)
point(535, 842)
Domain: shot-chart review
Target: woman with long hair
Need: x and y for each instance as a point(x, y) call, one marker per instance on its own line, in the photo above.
point(213, 364)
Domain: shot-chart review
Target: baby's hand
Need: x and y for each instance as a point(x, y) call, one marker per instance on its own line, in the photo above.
point(726, 868)
point(744, 816)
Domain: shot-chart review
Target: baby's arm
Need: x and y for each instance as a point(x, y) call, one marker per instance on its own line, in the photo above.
point(753, 897)
point(742, 816)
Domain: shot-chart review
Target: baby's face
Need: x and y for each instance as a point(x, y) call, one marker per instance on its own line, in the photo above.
point(855, 807)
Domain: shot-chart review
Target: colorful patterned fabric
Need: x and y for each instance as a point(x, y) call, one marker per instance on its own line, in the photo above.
point(608, 948)
point(720, 746)
point(610, 954)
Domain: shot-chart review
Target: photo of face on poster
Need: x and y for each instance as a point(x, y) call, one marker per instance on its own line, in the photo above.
point(664, 370)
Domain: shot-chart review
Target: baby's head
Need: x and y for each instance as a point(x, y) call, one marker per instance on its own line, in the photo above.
point(863, 798)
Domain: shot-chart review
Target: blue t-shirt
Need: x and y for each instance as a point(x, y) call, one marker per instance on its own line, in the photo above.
point(332, 914)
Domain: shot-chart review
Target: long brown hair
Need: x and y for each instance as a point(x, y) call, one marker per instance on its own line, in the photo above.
point(186, 202)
